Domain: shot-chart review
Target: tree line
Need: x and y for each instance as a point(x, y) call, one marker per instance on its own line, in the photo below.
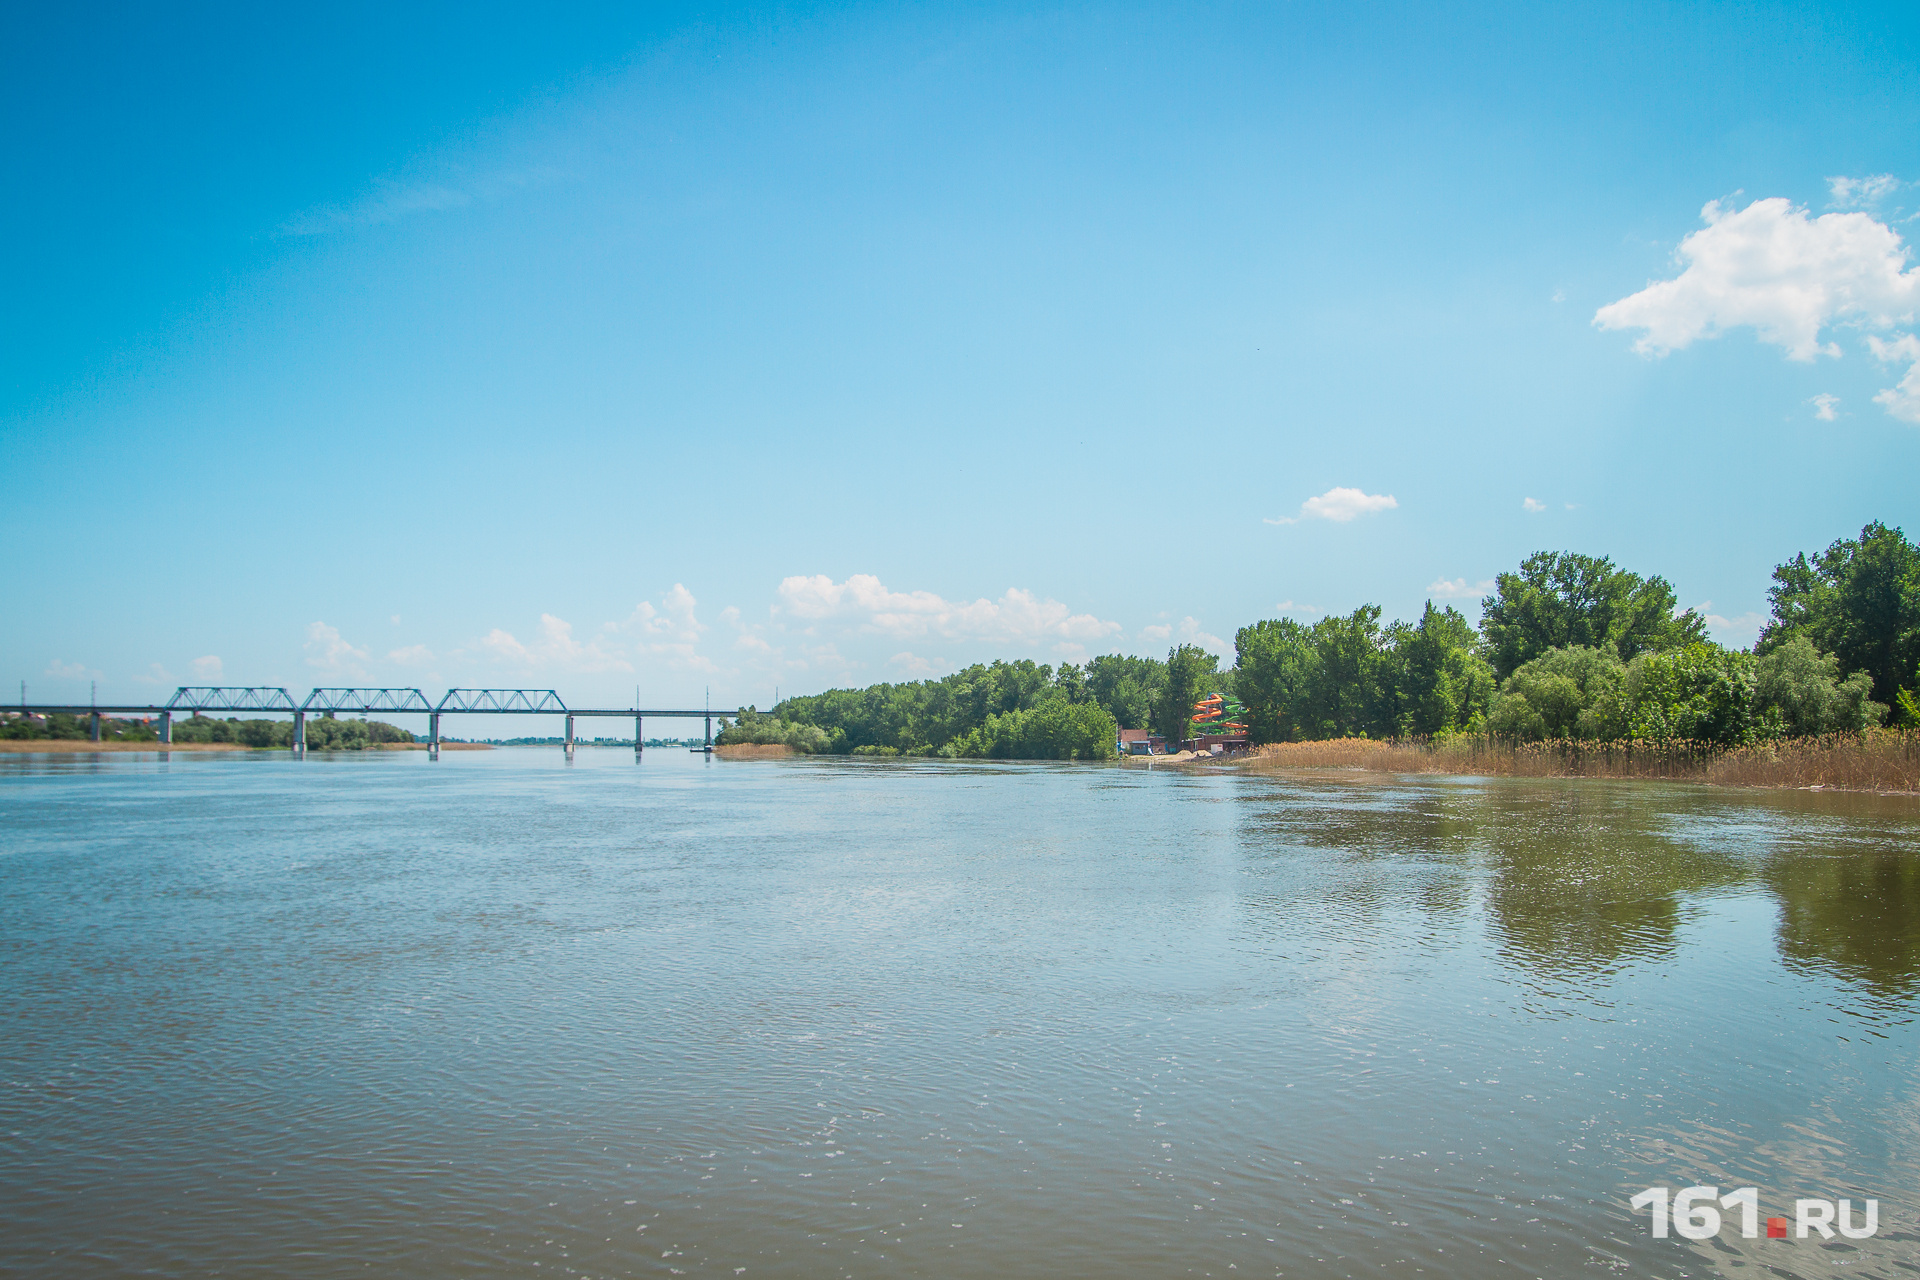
point(324, 733)
point(1567, 646)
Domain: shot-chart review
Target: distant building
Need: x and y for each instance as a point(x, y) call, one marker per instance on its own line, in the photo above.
point(1217, 744)
point(1141, 742)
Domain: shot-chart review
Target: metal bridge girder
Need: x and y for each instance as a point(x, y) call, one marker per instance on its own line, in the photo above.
point(502, 700)
point(197, 698)
point(366, 700)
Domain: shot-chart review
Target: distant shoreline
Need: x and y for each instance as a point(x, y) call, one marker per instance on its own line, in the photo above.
point(51, 746)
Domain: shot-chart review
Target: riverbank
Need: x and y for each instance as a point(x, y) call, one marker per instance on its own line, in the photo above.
point(1881, 761)
point(44, 746)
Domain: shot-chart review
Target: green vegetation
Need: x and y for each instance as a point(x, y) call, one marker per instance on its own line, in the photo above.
point(1561, 600)
point(1569, 647)
point(324, 733)
point(62, 726)
point(1858, 600)
point(1009, 710)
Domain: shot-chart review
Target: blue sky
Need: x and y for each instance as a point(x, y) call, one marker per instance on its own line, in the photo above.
point(816, 346)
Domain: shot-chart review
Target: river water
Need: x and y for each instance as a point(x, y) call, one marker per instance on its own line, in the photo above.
point(502, 1015)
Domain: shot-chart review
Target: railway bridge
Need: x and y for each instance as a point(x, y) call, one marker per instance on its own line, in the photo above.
point(195, 700)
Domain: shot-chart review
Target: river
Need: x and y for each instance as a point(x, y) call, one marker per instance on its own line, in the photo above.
point(505, 1015)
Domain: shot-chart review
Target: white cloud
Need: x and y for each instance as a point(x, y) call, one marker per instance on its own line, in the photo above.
point(673, 631)
point(1190, 633)
point(391, 200)
point(155, 674)
point(58, 670)
point(1771, 267)
point(863, 602)
point(1737, 632)
point(1825, 407)
point(327, 652)
point(1856, 193)
point(1340, 505)
point(1532, 504)
point(1288, 606)
point(209, 667)
point(1459, 589)
point(1902, 401)
point(553, 649)
point(413, 655)
point(1156, 632)
point(914, 665)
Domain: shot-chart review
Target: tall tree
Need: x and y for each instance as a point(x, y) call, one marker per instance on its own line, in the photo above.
point(1560, 599)
point(1188, 668)
point(1441, 682)
point(1858, 600)
point(1277, 663)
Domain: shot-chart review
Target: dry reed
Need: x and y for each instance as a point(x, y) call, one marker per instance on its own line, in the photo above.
point(753, 751)
point(1885, 760)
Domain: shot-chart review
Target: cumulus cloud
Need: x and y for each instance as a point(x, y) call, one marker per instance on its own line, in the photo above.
point(209, 667)
point(1339, 504)
point(327, 652)
point(916, 666)
point(864, 603)
point(1773, 268)
point(58, 670)
point(1860, 193)
point(554, 648)
point(413, 655)
point(154, 674)
point(673, 631)
point(1532, 504)
point(1902, 401)
point(1738, 631)
point(1825, 407)
point(1459, 588)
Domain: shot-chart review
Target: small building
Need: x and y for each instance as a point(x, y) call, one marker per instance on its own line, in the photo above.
point(1141, 742)
point(1216, 744)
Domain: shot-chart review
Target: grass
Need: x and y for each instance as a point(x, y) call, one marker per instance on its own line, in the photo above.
point(1884, 760)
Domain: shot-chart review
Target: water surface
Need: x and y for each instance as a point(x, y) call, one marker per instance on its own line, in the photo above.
point(504, 1016)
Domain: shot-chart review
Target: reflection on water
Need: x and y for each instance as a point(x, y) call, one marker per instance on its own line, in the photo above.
point(500, 1014)
point(1855, 914)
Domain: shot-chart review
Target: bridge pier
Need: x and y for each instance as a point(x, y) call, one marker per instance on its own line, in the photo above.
point(569, 747)
point(299, 734)
point(433, 736)
point(166, 727)
point(93, 727)
point(639, 737)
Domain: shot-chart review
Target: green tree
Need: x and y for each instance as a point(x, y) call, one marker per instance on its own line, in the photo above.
point(1344, 697)
point(1277, 664)
point(1798, 690)
point(1189, 670)
point(1564, 600)
point(1127, 686)
point(1702, 693)
point(1441, 683)
point(1858, 600)
point(1575, 692)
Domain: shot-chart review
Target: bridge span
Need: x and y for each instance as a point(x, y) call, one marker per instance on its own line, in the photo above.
point(275, 700)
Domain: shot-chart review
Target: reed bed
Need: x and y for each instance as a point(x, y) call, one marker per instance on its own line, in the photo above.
point(1885, 760)
point(753, 751)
